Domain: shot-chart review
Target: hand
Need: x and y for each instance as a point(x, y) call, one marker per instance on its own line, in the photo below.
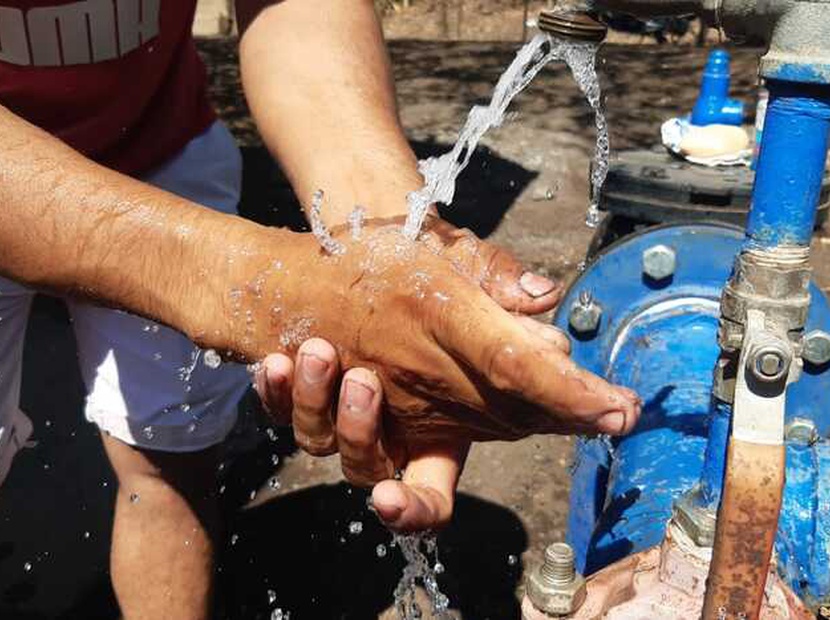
point(424, 498)
point(452, 362)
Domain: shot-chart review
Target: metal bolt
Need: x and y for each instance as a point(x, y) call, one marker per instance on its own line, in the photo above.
point(558, 567)
point(801, 431)
point(769, 362)
point(555, 587)
point(585, 314)
point(659, 262)
point(816, 347)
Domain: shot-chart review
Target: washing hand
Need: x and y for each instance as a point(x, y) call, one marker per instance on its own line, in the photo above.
point(424, 497)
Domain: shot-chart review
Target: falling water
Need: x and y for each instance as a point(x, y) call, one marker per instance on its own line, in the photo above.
point(440, 173)
point(417, 568)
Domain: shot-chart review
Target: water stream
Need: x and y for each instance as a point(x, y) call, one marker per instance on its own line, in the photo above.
point(440, 173)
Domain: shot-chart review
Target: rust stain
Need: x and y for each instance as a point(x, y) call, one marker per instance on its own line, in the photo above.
point(747, 522)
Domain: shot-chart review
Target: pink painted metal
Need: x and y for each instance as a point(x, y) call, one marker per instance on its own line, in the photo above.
point(667, 583)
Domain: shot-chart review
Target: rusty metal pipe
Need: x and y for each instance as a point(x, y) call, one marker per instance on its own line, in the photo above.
point(745, 532)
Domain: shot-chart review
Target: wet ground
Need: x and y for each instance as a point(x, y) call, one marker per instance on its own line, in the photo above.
point(526, 190)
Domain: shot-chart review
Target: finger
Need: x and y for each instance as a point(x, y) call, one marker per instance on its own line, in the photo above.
point(359, 428)
point(532, 374)
point(272, 383)
point(499, 273)
point(313, 394)
point(548, 333)
point(424, 499)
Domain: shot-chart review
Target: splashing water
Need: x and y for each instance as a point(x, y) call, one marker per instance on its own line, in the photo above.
point(418, 567)
point(440, 173)
point(356, 218)
point(329, 243)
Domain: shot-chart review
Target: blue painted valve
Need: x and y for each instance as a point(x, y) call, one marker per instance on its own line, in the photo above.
point(713, 104)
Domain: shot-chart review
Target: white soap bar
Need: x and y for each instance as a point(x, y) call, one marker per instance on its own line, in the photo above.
point(713, 140)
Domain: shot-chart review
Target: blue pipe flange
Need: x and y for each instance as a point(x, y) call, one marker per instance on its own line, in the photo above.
point(655, 297)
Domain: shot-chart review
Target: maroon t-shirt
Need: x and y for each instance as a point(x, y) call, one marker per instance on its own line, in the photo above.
point(118, 80)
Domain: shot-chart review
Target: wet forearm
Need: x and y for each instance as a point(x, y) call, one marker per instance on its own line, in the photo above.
point(317, 77)
point(71, 226)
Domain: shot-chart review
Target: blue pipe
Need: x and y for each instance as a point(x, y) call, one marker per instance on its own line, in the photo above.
point(790, 166)
point(714, 461)
point(713, 104)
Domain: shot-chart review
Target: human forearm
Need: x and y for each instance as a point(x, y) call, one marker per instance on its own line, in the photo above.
point(71, 226)
point(318, 81)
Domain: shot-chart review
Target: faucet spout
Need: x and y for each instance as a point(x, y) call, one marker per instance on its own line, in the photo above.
point(577, 26)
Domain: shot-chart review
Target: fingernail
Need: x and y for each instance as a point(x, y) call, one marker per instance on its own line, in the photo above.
point(612, 423)
point(358, 395)
point(536, 285)
point(314, 368)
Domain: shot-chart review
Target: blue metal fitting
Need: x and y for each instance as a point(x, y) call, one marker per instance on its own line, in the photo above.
point(661, 340)
point(790, 165)
point(713, 103)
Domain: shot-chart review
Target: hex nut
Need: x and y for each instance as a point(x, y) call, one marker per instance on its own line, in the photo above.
point(801, 431)
point(558, 600)
point(769, 362)
point(816, 349)
point(695, 519)
point(659, 262)
point(584, 318)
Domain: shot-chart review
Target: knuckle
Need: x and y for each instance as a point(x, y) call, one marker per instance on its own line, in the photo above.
point(316, 445)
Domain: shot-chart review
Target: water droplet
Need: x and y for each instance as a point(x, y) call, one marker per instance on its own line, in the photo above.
point(234, 539)
point(272, 597)
point(185, 407)
point(275, 459)
point(148, 432)
point(274, 483)
point(438, 569)
point(191, 428)
point(512, 560)
point(212, 359)
point(27, 566)
point(86, 535)
point(154, 329)
point(48, 423)
point(355, 527)
point(380, 551)
point(278, 614)
point(157, 356)
point(134, 498)
point(253, 494)
point(272, 434)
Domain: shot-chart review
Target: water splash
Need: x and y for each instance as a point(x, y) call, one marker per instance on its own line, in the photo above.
point(440, 173)
point(419, 568)
point(330, 244)
point(356, 218)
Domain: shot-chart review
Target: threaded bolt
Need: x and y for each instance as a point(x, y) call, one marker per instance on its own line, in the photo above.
point(558, 567)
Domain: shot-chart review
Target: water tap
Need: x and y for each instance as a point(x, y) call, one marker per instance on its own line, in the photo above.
point(576, 25)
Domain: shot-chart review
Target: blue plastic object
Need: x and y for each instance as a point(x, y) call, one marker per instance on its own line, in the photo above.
point(790, 165)
point(660, 339)
point(713, 103)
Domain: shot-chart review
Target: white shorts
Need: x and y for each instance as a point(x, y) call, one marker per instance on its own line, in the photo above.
point(146, 384)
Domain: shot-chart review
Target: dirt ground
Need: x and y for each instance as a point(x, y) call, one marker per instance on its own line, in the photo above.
point(527, 190)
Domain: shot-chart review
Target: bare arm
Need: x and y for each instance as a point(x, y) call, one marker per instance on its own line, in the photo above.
point(317, 77)
point(72, 226)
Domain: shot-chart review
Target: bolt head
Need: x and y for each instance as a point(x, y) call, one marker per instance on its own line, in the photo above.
point(801, 431)
point(769, 363)
point(659, 262)
point(585, 318)
point(816, 349)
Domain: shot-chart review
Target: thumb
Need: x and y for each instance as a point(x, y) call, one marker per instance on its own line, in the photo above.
point(425, 497)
